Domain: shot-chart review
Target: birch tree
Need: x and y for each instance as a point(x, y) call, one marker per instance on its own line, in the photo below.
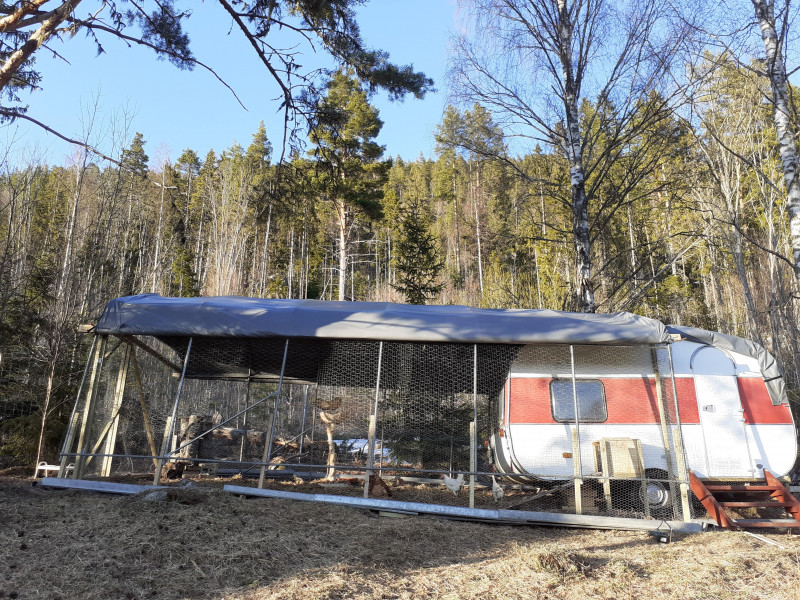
point(533, 63)
point(774, 39)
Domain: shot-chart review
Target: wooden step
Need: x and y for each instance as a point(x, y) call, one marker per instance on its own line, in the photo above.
point(742, 488)
point(767, 523)
point(779, 497)
point(764, 504)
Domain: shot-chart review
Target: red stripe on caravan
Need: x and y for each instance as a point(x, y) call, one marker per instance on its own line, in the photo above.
point(629, 400)
point(757, 405)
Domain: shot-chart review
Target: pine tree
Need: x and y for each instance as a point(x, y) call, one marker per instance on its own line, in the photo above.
point(349, 171)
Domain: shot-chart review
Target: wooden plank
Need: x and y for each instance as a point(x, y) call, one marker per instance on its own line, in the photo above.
point(740, 488)
point(137, 378)
point(88, 410)
point(113, 424)
point(764, 504)
point(151, 351)
point(666, 437)
point(164, 449)
point(768, 523)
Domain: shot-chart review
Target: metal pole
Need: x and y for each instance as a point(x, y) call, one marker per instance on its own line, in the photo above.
point(372, 421)
point(576, 439)
point(473, 430)
point(268, 446)
point(72, 419)
point(171, 426)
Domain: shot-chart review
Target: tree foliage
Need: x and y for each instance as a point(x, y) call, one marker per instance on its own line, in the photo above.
point(164, 26)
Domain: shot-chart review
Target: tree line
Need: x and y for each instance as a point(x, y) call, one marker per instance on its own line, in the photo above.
point(688, 229)
point(658, 175)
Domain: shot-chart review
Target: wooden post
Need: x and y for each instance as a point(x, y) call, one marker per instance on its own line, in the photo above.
point(73, 420)
point(371, 457)
point(303, 426)
point(473, 428)
point(244, 419)
point(119, 396)
point(665, 431)
point(137, 378)
point(473, 453)
point(577, 467)
point(372, 425)
point(88, 410)
point(680, 451)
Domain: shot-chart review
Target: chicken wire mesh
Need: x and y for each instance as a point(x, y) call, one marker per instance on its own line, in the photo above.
point(577, 429)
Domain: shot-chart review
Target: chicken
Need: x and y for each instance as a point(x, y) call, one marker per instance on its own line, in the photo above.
point(497, 491)
point(453, 484)
point(378, 487)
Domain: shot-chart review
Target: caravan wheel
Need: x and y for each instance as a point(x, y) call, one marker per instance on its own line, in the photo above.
point(656, 493)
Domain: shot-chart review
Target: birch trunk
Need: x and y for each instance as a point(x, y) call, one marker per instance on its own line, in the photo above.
point(776, 71)
point(583, 290)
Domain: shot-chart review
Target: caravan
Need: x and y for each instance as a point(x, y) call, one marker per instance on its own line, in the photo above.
point(726, 409)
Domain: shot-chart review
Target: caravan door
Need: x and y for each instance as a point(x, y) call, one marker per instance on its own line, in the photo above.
point(721, 415)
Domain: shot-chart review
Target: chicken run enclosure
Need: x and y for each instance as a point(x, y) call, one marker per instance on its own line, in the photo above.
point(376, 400)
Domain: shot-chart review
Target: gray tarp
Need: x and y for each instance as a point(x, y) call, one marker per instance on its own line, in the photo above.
point(769, 367)
point(231, 316)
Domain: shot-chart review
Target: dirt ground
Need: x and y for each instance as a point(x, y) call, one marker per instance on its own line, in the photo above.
point(58, 544)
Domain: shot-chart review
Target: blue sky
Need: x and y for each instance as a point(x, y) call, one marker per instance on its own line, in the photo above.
point(127, 88)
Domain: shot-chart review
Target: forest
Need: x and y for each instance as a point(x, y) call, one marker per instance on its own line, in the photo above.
point(674, 207)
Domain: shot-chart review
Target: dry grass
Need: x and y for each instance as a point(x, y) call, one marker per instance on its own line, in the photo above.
point(207, 544)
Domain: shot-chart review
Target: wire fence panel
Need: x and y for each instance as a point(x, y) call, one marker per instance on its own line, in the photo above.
point(582, 429)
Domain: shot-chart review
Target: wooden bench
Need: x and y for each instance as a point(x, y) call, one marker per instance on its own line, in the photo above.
point(46, 469)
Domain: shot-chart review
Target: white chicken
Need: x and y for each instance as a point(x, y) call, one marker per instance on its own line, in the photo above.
point(497, 491)
point(453, 484)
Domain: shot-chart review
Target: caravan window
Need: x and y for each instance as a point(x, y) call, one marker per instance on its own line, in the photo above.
point(591, 401)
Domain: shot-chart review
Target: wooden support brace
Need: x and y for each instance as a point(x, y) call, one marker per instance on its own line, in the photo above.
point(137, 342)
point(137, 378)
point(113, 424)
point(578, 481)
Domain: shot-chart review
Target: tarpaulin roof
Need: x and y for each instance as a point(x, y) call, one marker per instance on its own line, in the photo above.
point(238, 317)
point(769, 366)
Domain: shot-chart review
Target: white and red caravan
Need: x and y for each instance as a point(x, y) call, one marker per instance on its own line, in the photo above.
point(733, 424)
